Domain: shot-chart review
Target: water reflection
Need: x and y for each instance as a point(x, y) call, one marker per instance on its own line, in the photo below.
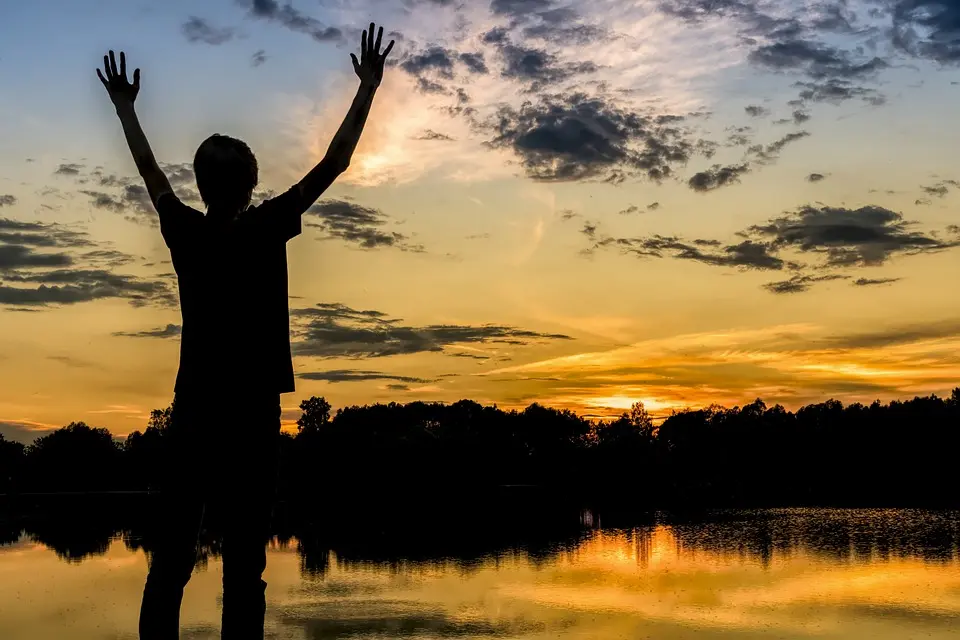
point(740, 574)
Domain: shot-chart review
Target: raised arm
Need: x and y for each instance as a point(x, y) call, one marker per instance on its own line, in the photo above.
point(370, 71)
point(123, 94)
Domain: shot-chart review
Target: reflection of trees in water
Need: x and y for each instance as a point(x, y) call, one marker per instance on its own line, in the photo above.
point(466, 541)
point(861, 535)
point(462, 538)
point(336, 620)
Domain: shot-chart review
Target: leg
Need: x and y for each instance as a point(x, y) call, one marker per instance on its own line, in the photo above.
point(247, 495)
point(174, 553)
point(174, 530)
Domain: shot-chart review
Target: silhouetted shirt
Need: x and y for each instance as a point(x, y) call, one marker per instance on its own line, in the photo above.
point(232, 276)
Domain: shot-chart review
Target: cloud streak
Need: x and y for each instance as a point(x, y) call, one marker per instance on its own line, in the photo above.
point(199, 30)
point(358, 225)
point(352, 375)
point(337, 331)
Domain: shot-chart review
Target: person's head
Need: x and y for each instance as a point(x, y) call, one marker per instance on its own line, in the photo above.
point(226, 172)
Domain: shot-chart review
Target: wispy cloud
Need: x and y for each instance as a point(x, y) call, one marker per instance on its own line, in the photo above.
point(358, 225)
point(331, 330)
point(199, 30)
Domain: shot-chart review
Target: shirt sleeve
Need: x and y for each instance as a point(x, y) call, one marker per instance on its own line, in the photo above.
point(177, 220)
point(281, 215)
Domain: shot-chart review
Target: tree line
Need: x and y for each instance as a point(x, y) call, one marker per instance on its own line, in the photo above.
point(895, 454)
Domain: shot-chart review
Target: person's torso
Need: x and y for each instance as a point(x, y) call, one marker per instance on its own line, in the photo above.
point(233, 298)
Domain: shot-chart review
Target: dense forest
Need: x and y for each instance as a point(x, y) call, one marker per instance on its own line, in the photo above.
point(901, 453)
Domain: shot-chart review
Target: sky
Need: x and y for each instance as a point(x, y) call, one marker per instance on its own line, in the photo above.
point(679, 202)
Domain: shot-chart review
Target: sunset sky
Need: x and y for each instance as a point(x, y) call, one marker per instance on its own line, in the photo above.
point(577, 203)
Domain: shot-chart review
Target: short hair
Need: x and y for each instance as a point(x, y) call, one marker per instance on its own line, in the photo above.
point(226, 172)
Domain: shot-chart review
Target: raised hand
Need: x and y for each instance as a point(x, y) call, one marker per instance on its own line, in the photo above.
point(370, 66)
point(120, 89)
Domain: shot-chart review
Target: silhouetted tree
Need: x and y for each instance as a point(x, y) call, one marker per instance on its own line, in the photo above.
point(885, 454)
point(74, 458)
point(12, 457)
point(316, 414)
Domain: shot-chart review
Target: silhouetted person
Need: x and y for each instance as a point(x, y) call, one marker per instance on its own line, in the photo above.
point(234, 352)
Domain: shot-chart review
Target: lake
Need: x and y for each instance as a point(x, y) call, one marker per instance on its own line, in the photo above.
point(792, 573)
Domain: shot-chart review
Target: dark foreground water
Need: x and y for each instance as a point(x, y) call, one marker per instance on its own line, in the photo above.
point(803, 573)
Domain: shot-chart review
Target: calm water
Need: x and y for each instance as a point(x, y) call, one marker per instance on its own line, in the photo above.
point(763, 574)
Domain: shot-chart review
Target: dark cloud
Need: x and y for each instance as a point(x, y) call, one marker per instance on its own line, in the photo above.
point(706, 148)
point(928, 29)
point(127, 195)
point(847, 237)
point(352, 375)
point(843, 238)
point(474, 62)
point(816, 60)
point(430, 134)
point(815, 177)
point(797, 43)
point(738, 136)
point(14, 256)
point(870, 282)
point(497, 35)
point(940, 189)
point(579, 34)
point(799, 283)
point(337, 331)
point(7, 200)
point(799, 117)
point(538, 68)
point(358, 225)
point(576, 137)
point(107, 257)
point(756, 111)
point(520, 9)
point(291, 18)
point(134, 201)
point(398, 387)
point(717, 176)
point(169, 331)
point(199, 30)
point(41, 234)
point(32, 278)
point(629, 210)
point(102, 200)
point(258, 58)
point(653, 206)
point(837, 91)
point(746, 255)
point(107, 179)
point(768, 154)
point(425, 85)
point(71, 286)
point(179, 174)
point(69, 169)
point(137, 197)
point(435, 59)
point(469, 356)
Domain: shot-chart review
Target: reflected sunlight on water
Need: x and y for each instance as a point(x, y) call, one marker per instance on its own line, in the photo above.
point(774, 574)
